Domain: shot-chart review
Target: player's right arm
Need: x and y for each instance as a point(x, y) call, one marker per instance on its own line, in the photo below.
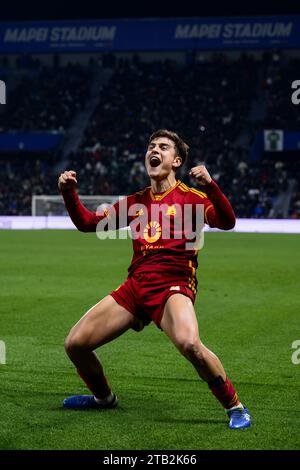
point(82, 218)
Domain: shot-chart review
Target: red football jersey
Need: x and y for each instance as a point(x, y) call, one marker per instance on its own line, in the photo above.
point(165, 226)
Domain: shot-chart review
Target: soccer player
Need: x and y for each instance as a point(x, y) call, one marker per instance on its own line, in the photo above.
point(161, 284)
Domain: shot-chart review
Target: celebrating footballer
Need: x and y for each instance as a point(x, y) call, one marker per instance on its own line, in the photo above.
point(161, 285)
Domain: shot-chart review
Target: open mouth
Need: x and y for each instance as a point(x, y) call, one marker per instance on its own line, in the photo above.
point(154, 161)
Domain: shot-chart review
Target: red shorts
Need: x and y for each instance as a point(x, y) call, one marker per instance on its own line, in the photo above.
point(145, 294)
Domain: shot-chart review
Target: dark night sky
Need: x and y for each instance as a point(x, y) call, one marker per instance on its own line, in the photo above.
point(12, 10)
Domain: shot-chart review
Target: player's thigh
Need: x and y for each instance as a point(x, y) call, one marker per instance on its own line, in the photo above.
point(179, 321)
point(103, 322)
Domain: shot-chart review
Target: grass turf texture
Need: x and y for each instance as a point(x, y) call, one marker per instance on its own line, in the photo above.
point(248, 310)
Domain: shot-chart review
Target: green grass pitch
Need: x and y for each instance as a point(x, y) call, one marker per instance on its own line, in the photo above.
point(248, 310)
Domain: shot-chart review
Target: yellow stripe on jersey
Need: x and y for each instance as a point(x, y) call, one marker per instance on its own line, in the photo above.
point(193, 289)
point(205, 213)
point(187, 188)
point(199, 193)
point(192, 279)
point(183, 188)
point(192, 267)
point(159, 197)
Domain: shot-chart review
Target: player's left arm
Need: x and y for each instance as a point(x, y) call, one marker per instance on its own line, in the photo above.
point(217, 209)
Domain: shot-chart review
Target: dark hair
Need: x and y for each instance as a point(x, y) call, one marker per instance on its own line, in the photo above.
point(181, 147)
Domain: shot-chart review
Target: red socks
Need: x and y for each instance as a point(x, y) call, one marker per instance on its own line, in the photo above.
point(97, 384)
point(225, 392)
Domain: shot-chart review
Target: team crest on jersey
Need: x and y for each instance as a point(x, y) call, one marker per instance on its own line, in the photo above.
point(152, 232)
point(171, 210)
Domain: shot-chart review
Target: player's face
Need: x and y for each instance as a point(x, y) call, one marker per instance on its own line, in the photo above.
point(161, 158)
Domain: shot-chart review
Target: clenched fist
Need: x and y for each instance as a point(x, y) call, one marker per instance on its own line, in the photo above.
point(67, 180)
point(201, 174)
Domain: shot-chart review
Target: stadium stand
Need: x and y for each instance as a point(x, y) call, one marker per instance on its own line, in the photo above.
point(216, 101)
point(46, 98)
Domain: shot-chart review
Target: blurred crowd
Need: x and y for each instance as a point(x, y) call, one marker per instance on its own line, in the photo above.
point(215, 105)
point(21, 176)
point(277, 75)
point(46, 98)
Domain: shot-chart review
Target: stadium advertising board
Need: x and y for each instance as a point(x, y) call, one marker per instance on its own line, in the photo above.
point(29, 141)
point(150, 34)
point(65, 223)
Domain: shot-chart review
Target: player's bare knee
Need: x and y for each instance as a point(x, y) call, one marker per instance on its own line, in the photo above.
point(73, 344)
point(192, 350)
point(68, 345)
point(185, 346)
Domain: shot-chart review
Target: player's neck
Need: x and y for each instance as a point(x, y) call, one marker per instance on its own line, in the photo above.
point(163, 185)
